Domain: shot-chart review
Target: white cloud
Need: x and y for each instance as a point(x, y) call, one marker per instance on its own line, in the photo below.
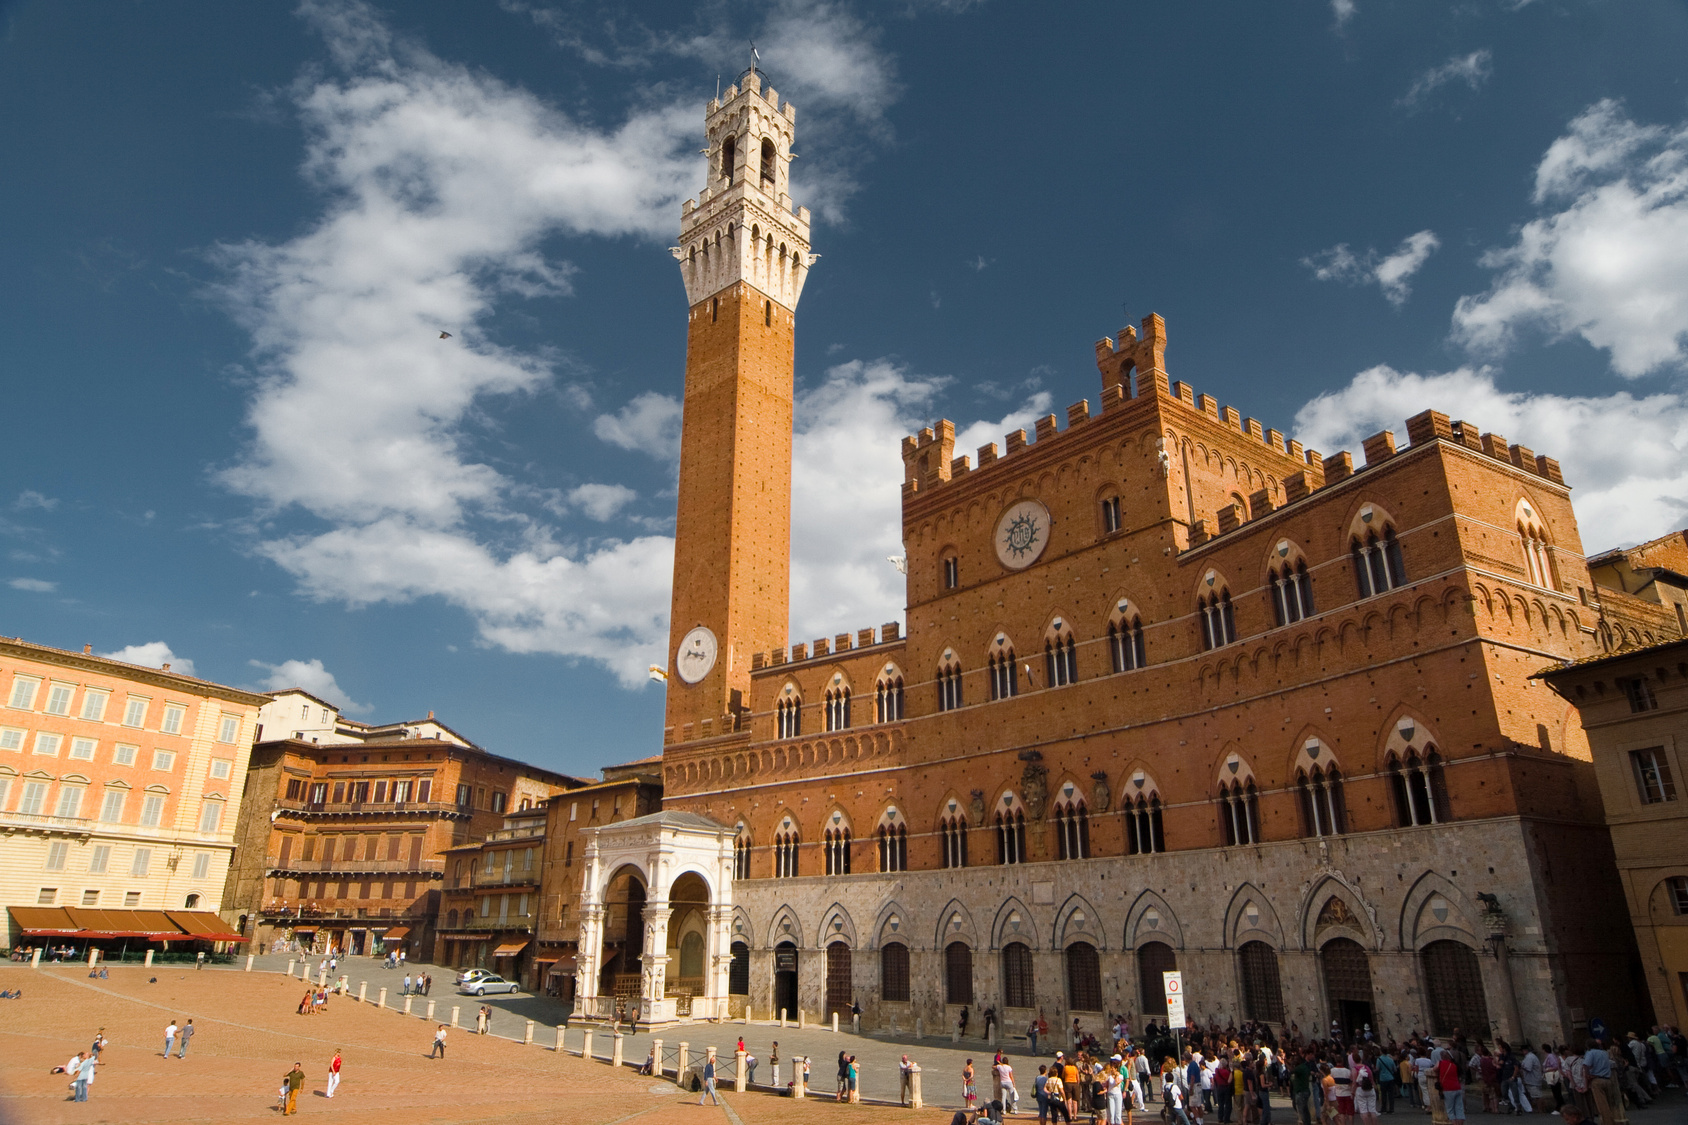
point(33, 585)
point(601, 501)
point(1625, 457)
point(1391, 272)
point(1472, 69)
point(648, 424)
point(1343, 10)
point(29, 498)
point(312, 677)
point(153, 654)
point(1608, 260)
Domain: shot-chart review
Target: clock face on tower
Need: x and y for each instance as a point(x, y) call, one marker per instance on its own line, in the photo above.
point(1021, 534)
point(696, 656)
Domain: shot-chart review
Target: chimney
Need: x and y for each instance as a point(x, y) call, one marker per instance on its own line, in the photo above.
point(165, 667)
point(430, 714)
point(87, 650)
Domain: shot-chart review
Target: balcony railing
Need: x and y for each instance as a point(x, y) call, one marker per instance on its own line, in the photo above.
point(536, 830)
point(371, 807)
point(494, 922)
point(42, 820)
point(353, 867)
point(294, 910)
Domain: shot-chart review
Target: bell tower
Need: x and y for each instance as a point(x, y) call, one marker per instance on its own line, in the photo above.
point(744, 254)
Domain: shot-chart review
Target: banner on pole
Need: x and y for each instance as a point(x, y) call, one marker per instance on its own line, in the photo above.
point(1174, 982)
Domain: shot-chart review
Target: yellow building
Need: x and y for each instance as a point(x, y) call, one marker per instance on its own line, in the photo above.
point(1634, 706)
point(119, 788)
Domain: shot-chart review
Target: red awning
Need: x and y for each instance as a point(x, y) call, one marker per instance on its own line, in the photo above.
point(510, 949)
point(44, 921)
point(202, 925)
point(396, 933)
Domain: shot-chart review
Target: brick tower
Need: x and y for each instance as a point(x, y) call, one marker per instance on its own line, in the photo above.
point(743, 255)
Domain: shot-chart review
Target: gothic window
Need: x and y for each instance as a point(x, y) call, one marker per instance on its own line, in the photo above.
point(893, 847)
point(1084, 978)
point(1072, 829)
point(1219, 624)
point(958, 973)
point(769, 156)
point(1017, 985)
point(1011, 835)
point(1263, 994)
point(785, 851)
point(1323, 811)
point(1125, 638)
point(949, 687)
point(1292, 589)
point(838, 708)
point(952, 832)
point(1110, 515)
point(767, 314)
point(738, 972)
point(837, 849)
point(1060, 656)
point(1142, 810)
point(788, 713)
point(1536, 561)
point(729, 151)
point(1420, 793)
point(1239, 812)
point(1378, 566)
point(888, 696)
point(952, 572)
point(893, 972)
point(1004, 674)
point(741, 853)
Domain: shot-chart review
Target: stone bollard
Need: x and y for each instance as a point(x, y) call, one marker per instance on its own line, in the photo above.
point(656, 1058)
point(363, 992)
point(454, 1013)
point(799, 1088)
point(430, 1015)
point(680, 1064)
point(586, 1045)
point(738, 1078)
point(856, 1024)
point(893, 1023)
point(93, 955)
point(291, 962)
point(528, 1036)
point(407, 999)
point(148, 960)
point(835, 1023)
point(990, 1036)
point(322, 976)
point(800, 1022)
point(615, 1050)
point(919, 1027)
point(381, 999)
point(955, 1033)
point(914, 1101)
point(561, 1029)
point(249, 962)
point(782, 1017)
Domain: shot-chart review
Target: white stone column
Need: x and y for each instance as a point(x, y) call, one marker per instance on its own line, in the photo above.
point(588, 956)
point(654, 961)
point(720, 962)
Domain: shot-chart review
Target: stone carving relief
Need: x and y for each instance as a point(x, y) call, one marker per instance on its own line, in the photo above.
point(977, 808)
point(1034, 789)
point(1100, 797)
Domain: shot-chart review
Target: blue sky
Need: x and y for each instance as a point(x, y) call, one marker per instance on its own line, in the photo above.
point(232, 233)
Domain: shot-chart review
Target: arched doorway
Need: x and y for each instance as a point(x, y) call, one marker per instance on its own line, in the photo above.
point(1018, 985)
point(840, 988)
point(1263, 994)
point(624, 935)
point(1084, 978)
point(1153, 959)
point(1348, 985)
point(958, 973)
point(738, 974)
point(1453, 984)
point(785, 978)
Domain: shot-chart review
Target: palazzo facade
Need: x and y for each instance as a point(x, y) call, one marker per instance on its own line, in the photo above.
point(1173, 692)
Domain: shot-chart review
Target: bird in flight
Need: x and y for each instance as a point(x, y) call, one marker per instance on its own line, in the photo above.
point(445, 335)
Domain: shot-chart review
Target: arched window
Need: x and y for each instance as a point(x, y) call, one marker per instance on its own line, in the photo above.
point(1323, 811)
point(1110, 515)
point(738, 972)
point(1153, 959)
point(1060, 656)
point(1263, 994)
point(952, 572)
point(729, 156)
point(888, 696)
point(1142, 810)
point(1017, 984)
point(837, 848)
point(1010, 832)
point(1219, 624)
point(893, 842)
point(785, 851)
point(1292, 591)
point(741, 853)
point(838, 708)
point(1536, 562)
point(952, 832)
point(767, 314)
point(788, 713)
point(191, 903)
point(893, 972)
point(1004, 674)
point(1084, 978)
point(1072, 828)
point(1378, 566)
point(451, 920)
point(1125, 638)
point(1239, 812)
point(958, 973)
point(769, 157)
point(1420, 792)
point(949, 686)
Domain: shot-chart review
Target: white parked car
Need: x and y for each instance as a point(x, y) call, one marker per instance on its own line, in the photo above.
point(490, 982)
point(470, 976)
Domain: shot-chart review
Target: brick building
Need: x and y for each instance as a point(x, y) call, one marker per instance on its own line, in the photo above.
point(342, 835)
point(1174, 691)
point(118, 790)
point(1634, 706)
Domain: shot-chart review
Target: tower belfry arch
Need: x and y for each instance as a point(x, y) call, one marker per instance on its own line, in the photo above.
point(744, 255)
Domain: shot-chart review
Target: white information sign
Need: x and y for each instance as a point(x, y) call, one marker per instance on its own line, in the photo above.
point(1174, 998)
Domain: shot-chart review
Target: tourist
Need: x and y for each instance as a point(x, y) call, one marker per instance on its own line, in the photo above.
point(100, 1044)
point(968, 1095)
point(774, 1061)
point(185, 1034)
point(1031, 1036)
point(294, 1081)
point(169, 1038)
point(438, 1050)
point(905, 1081)
point(1301, 1090)
point(709, 1079)
point(853, 1081)
point(1055, 1095)
point(1005, 1080)
point(1113, 1092)
point(1552, 1077)
point(85, 1076)
point(483, 1017)
point(1452, 1087)
point(334, 1073)
point(1365, 1093)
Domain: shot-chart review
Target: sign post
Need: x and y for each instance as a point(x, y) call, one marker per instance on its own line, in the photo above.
point(1174, 983)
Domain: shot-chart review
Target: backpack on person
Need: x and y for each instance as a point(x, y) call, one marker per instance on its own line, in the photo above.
point(1365, 1078)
